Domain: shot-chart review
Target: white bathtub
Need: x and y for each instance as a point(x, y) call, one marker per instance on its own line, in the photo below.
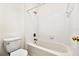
point(48, 49)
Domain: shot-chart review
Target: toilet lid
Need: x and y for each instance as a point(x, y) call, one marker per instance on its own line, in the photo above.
point(19, 52)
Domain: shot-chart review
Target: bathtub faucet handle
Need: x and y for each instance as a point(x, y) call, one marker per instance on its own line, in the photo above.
point(34, 35)
point(35, 39)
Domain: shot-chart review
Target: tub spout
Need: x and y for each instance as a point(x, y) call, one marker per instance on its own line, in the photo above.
point(35, 41)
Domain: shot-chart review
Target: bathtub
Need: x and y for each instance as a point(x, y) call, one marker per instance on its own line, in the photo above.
point(48, 49)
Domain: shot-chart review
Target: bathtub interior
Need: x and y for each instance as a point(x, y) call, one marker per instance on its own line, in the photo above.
point(59, 47)
point(32, 51)
point(51, 49)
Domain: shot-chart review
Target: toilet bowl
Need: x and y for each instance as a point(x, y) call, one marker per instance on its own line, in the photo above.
point(19, 52)
point(13, 46)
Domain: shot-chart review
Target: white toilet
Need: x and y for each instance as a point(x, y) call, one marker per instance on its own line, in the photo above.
point(13, 47)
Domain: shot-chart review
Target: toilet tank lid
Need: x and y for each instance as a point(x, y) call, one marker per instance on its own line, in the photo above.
point(11, 39)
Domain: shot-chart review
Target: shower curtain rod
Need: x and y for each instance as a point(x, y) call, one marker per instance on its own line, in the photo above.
point(39, 5)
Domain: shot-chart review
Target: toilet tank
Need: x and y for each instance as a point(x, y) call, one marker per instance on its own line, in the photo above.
point(12, 44)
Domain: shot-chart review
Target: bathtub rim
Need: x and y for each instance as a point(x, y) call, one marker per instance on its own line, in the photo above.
point(49, 50)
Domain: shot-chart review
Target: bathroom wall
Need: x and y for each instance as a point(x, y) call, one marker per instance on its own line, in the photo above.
point(30, 22)
point(77, 28)
point(74, 21)
point(53, 24)
point(11, 22)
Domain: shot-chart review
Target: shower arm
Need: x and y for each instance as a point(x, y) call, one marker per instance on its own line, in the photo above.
point(37, 6)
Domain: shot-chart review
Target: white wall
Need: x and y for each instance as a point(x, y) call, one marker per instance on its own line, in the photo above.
point(30, 22)
point(52, 23)
point(77, 27)
point(74, 22)
point(11, 22)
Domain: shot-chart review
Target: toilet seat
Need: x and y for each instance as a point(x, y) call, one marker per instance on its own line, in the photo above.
point(19, 52)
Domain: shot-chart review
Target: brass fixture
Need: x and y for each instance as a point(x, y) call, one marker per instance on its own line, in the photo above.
point(76, 38)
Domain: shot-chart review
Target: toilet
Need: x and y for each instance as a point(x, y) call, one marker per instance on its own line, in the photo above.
point(13, 46)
